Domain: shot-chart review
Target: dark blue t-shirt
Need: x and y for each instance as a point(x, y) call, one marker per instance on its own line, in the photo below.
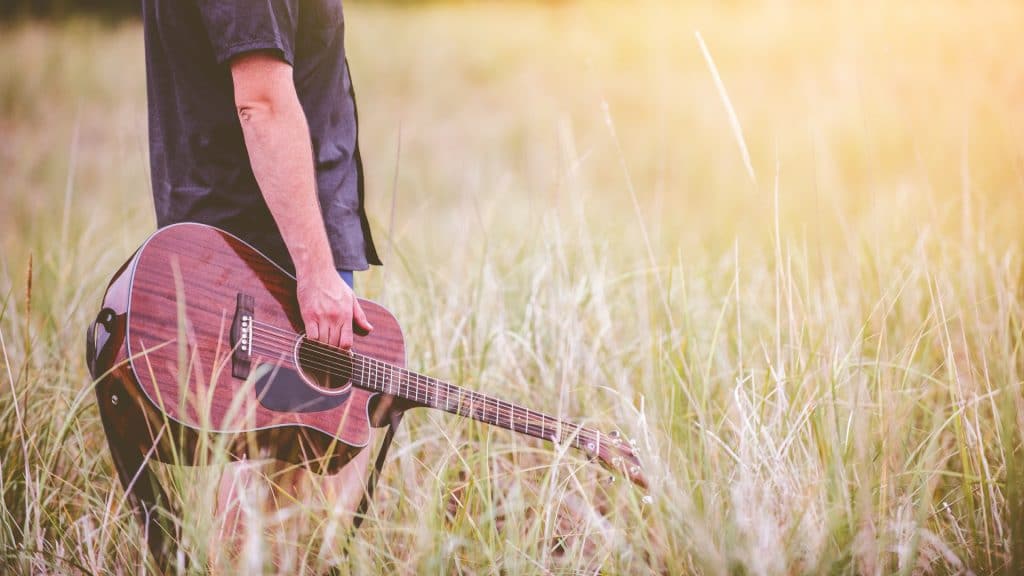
point(200, 168)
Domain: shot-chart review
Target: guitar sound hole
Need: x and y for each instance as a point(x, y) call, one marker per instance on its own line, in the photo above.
point(327, 368)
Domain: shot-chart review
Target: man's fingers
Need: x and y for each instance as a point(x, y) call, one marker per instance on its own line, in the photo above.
point(359, 318)
point(335, 337)
point(312, 330)
point(345, 340)
point(330, 310)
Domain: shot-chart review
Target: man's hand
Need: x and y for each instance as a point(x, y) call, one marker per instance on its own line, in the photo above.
point(277, 138)
point(329, 307)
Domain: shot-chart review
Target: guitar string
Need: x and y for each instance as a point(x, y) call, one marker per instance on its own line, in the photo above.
point(489, 406)
point(478, 410)
point(549, 425)
point(331, 353)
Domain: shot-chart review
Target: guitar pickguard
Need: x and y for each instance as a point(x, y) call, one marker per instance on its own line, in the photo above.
point(283, 389)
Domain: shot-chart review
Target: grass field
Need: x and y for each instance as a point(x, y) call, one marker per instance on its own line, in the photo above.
point(777, 243)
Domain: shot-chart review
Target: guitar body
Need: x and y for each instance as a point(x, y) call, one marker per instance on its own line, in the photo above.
point(175, 346)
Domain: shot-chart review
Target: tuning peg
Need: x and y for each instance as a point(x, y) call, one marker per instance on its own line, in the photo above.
point(616, 438)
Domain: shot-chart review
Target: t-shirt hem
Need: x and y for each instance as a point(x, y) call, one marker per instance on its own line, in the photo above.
point(239, 48)
point(354, 264)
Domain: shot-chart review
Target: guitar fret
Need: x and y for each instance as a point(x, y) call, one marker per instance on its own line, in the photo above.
point(389, 379)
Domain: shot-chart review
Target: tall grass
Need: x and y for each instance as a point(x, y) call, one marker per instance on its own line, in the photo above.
point(817, 347)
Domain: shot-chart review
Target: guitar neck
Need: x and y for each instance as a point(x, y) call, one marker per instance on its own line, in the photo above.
point(424, 390)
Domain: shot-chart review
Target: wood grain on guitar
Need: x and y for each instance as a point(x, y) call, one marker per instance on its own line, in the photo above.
point(213, 341)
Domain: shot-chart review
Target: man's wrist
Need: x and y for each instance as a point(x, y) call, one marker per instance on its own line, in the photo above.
point(310, 263)
point(312, 271)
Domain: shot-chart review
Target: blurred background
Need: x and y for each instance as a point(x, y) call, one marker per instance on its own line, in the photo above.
point(890, 117)
point(61, 9)
point(776, 240)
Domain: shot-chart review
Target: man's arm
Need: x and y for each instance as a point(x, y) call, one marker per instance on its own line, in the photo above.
point(278, 141)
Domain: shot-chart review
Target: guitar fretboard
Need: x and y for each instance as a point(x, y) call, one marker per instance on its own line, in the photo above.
point(372, 374)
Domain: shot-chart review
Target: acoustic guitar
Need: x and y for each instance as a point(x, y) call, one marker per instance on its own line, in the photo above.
point(200, 335)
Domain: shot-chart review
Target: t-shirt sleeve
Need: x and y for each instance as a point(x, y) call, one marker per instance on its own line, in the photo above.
point(239, 26)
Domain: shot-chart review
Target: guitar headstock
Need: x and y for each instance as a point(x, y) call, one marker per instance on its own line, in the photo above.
point(619, 455)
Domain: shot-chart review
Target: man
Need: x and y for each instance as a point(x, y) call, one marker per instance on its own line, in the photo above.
point(252, 128)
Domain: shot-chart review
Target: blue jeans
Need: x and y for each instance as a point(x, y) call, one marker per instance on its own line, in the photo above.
point(347, 276)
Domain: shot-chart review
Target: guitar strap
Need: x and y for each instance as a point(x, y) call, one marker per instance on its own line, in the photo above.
point(129, 436)
point(395, 418)
point(153, 509)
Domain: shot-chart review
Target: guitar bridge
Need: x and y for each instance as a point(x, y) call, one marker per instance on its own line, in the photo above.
point(241, 336)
